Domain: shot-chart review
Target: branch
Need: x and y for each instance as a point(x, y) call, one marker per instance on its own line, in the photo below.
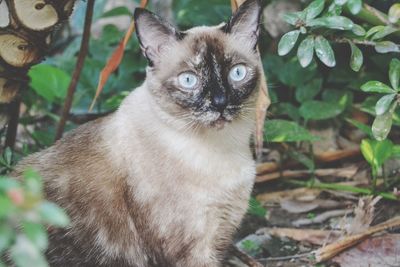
point(342, 40)
point(78, 69)
point(13, 123)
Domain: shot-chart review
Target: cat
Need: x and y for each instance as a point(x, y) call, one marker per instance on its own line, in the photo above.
point(165, 180)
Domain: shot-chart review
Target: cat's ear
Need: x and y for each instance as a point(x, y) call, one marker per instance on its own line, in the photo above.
point(154, 34)
point(245, 22)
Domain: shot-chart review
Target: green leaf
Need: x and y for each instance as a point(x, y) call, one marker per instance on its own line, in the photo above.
point(117, 11)
point(294, 18)
point(376, 152)
point(288, 109)
point(6, 236)
point(324, 51)
point(318, 110)
point(25, 254)
point(8, 183)
point(255, 208)
point(49, 82)
point(364, 128)
point(394, 13)
point(374, 30)
point(53, 215)
point(334, 22)
point(354, 6)
point(394, 73)
point(314, 9)
point(358, 30)
point(339, 97)
point(285, 131)
point(383, 151)
point(33, 182)
point(292, 73)
point(385, 31)
point(287, 42)
point(357, 57)
point(309, 90)
point(382, 125)
point(384, 103)
point(377, 87)
point(6, 206)
point(396, 151)
point(36, 233)
point(306, 51)
point(386, 47)
point(334, 10)
point(367, 150)
point(340, 2)
point(303, 159)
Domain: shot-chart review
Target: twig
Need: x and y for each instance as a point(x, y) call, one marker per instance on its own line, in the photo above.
point(322, 217)
point(11, 134)
point(339, 246)
point(249, 261)
point(342, 40)
point(286, 258)
point(313, 236)
point(346, 172)
point(78, 69)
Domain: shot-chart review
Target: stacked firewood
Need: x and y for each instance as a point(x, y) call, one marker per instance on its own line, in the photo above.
point(26, 28)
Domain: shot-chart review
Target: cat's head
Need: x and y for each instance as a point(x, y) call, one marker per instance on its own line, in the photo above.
point(206, 76)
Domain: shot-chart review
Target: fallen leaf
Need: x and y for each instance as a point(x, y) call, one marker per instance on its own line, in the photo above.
point(263, 100)
point(364, 213)
point(115, 59)
point(381, 251)
point(302, 206)
point(333, 249)
point(313, 236)
point(320, 218)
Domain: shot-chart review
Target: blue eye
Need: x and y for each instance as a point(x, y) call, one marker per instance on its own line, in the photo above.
point(187, 80)
point(238, 73)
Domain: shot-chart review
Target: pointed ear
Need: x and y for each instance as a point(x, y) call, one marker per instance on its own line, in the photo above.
point(154, 34)
point(245, 23)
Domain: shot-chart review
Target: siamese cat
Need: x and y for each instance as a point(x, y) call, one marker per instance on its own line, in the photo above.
point(165, 180)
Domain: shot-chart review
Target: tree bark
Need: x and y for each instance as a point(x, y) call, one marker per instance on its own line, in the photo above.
point(26, 28)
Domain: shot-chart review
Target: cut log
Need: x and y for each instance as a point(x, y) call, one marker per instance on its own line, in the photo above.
point(37, 15)
point(17, 51)
point(68, 7)
point(8, 90)
point(4, 14)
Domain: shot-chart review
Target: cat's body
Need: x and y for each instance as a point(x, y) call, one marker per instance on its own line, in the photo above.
point(145, 187)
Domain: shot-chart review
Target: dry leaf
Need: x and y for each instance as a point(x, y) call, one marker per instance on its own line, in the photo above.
point(305, 205)
point(363, 215)
point(115, 59)
point(339, 246)
point(316, 237)
point(382, 251)
point(320, 218)
point(278, 196)
point(263, 100)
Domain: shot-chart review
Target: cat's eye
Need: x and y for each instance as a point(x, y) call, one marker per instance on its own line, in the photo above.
point(187, 80)
point(238, 73)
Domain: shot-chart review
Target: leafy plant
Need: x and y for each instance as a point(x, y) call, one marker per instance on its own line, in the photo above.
point(23, 216)
point(385, 107)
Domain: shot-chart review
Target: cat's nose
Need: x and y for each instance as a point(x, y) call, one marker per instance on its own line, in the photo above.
point(219, 101)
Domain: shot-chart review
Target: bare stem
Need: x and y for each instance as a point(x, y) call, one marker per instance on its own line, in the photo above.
point(78, 69)
point(343, 40)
